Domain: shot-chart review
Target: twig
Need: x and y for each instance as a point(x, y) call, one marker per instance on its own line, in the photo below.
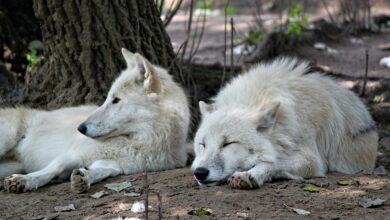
point(159, 203)
point(224, 46)
point(327, 11)
point(161, 6)
point(188, 30)
point(146, 188)
point(200, 37)
point(171, 13)
point(231, 46)
point(365, 76)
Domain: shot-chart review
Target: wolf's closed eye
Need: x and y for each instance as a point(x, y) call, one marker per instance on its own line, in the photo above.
point(115, 100)
point(229, 143)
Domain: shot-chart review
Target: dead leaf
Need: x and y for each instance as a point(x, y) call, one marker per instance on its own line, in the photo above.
point(298, 211)
point(66, 208)
point(242, 215)
point(311, 189)
point(380, 171)
point(345, 182)
point(99, 194)
point(124, 206)
point(117, 187)
point(371, 203)
point(301, 211)
point(200, 212)
point(132, 194)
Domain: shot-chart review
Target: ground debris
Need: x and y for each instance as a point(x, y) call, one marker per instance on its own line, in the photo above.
point(371, 203)
point(200, 212)
point(66, 208)
point(99, 194)
point(117, 187)
point(380, 171)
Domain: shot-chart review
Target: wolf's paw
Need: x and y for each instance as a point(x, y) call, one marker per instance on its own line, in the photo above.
point(78, 181)
point(242, 180)
point(15, 183)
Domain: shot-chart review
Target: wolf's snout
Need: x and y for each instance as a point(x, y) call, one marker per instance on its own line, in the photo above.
point(201, 173)
point(82, 128)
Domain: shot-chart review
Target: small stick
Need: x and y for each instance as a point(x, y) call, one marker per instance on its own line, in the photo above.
point(365, 76)
point(231, 47)
point(146, 188)
point(224, 46)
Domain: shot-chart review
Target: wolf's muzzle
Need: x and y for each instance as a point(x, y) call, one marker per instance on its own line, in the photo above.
point(201, 173)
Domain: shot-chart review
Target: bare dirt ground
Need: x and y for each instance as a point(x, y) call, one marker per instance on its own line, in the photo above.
point(180, 193)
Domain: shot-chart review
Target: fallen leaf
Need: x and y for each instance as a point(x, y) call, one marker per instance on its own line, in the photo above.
point(200, 212)
point(298, 211)
point(124, 206)
point(117, 187)
point(99, 194)
point(301, 211)
point(345, 182)
point(242, 215)
point(132, 194)
point(48, 217)
point(371, 203)
point(66, 208)
point(380, 171)
point(312, 189)
point(138, 207)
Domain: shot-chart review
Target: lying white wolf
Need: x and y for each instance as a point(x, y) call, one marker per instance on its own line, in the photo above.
point(143, 122)
point(277, 122)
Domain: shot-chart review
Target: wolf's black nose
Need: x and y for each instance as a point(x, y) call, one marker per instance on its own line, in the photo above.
point(82, 128)
point(201, 173)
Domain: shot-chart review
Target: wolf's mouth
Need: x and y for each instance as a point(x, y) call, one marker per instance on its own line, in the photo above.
point(211, 183)
point(103, 136)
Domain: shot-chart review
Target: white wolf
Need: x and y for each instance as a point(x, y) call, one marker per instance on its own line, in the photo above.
point(276, 121)
point(143, 122)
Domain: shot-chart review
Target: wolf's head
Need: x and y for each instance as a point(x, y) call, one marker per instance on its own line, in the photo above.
point(131, 103)
point(232, 139)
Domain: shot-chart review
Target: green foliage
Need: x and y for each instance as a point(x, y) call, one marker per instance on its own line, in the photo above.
point(379, 98)
point(311, 189)
point(230, 9)
point(253, 36)
point(33, 60)
point(204, 5)
point(296, 19)
point(200, 212)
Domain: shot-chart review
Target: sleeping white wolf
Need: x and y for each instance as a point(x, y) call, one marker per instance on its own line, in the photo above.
point(276, 121)
point(141, 125)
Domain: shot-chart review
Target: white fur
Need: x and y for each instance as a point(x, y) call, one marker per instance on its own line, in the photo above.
point(146, 129)
point(282, 123)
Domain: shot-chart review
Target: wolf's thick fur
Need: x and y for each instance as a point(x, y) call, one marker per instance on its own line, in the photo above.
point(278, 122)
point(142, 125)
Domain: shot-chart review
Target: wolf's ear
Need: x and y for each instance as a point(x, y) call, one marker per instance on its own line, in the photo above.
point(152, 83)
point(205, 108)
point(129, 57)
point(267, 118)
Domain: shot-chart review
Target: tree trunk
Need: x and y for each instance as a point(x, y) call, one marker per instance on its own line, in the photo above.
point(82, 41)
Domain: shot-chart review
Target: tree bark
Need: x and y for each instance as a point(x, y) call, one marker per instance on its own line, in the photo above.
point(82, 41)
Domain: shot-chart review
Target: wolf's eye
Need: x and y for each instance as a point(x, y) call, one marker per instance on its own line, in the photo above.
point(229, 143)
point(115, 100)
point(203, 145)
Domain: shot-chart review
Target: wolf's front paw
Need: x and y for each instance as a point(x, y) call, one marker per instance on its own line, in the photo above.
point(78, 181)
point(242, 180)
point(15, 183)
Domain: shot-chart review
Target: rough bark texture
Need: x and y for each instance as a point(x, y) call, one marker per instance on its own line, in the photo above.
point(82, 41)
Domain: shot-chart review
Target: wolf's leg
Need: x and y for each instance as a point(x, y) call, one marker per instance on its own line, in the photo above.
point(81, 179)
point(18, 183)
point(11, 129)
point(296, 167)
